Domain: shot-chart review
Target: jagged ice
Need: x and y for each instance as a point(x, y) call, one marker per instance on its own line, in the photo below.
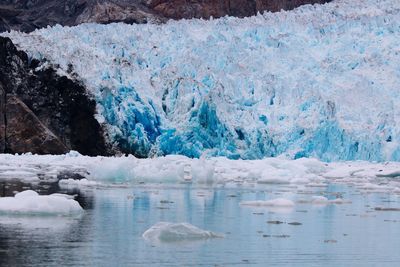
point(320, 81)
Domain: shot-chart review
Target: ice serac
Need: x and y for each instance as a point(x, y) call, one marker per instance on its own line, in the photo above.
point(319, 81)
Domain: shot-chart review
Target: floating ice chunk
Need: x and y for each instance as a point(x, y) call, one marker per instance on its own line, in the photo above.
point(375, 187)
point(31, 203)
point(202, 171)
point(278, 205)
point(77, 183)
point(27, 193)
point(312, 165)
point(319, 200)
point(389, 173)
point(300, 181)
point(338, 173)
point(168, 169)
point(18, 174)
point(273, 180)
point(175, 232)
point(339, 201)
point(317, 184)
point(114, 169)
point(275, 176)
point(109, 171)
point(277, 202)
point(73, 154)
point(44, 224)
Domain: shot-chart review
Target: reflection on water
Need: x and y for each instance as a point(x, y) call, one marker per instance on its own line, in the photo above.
point(109, 233)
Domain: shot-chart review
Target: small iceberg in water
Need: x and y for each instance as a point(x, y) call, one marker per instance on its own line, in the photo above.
point(31, 203)
point(166, 232)
point(277, 202)
point(278, 205)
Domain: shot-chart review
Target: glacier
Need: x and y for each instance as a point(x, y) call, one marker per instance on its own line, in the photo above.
point(319, 81)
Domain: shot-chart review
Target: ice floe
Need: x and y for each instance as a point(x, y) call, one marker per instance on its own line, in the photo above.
point(278, 202)
point(31, 203)
point(77, 183)
point(83, 171)
point(175, 232)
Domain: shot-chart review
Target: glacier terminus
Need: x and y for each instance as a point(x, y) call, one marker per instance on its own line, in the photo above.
point(320, 81)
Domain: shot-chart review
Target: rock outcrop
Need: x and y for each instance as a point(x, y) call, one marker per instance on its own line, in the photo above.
point(179, 9)
point(25, 132)
point(27, 15)
point(43, 112)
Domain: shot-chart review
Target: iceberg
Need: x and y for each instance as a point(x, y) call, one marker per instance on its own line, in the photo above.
point(174, 232)
point(277, 205)
point(30, 202)
point(277, 202)
point(319, 81)
point(74, 183)
point(322, 201)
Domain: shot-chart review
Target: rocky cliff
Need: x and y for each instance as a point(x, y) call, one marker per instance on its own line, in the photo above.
point(42, 112)
point(27, 15)
point(179, 9)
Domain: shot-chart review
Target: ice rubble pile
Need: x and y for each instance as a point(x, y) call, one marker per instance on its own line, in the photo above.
point(320, 81)
point(31, 203)
point(117, 171)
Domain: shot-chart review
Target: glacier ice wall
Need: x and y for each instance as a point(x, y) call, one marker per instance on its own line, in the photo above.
point(320, 81)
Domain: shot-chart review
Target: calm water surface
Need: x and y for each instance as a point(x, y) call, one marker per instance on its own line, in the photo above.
point(109, 233)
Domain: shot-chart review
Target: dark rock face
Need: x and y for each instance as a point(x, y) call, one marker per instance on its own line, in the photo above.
point(25, 132)
point(27, 15)
point(42, 112)
point(2, 119)
point(178, 9)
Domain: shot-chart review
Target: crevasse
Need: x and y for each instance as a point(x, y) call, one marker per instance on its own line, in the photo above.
point(319, 81)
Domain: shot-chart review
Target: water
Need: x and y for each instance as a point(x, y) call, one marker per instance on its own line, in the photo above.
point(110, 231)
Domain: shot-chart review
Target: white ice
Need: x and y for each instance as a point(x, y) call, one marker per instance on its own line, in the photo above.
point(31, 203)
point(176, 232)
point(319, 81)
point(219, 171)
point(278, 202)
point(71, 183)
